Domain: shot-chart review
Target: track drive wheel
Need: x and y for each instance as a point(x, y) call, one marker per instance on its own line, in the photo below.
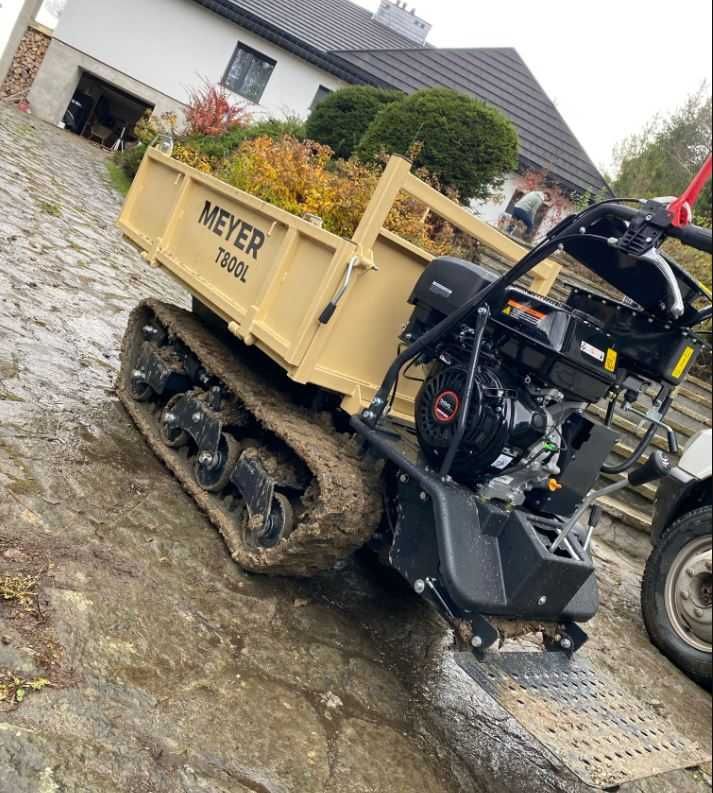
point(174, 437)
point(213, 475)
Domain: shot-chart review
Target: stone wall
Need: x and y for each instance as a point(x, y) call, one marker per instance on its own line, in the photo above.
point(27, 61)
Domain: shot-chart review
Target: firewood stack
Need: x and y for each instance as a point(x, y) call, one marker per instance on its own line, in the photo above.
point(26, 63)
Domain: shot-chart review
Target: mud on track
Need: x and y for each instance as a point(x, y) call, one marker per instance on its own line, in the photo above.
point(172, 670)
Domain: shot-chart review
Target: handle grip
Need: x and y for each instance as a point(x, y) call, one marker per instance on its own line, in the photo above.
point(694, 236)
point(328, 313)
point(659, 466)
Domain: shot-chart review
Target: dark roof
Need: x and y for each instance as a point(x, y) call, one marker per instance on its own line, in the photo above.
point(501, 78)
point(319, 26)
point(346, 40)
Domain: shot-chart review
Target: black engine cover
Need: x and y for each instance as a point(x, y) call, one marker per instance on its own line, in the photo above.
point(439, 407)
point(562, 347)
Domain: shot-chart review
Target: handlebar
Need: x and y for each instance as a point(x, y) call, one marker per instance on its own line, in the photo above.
point(697, 237)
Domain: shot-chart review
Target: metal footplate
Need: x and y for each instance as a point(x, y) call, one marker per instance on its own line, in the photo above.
point(601, 733)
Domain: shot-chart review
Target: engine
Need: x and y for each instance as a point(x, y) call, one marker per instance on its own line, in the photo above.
point(541, 363)
point(503, 420)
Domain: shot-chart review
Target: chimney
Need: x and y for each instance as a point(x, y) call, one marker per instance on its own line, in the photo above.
point(397, 16)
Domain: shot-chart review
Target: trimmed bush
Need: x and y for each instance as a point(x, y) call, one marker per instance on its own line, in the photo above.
point(130, 160)
point(341, 120)
point(466, 144)
point(216, 148)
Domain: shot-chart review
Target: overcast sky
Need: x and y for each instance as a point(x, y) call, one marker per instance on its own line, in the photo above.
point(609, 65)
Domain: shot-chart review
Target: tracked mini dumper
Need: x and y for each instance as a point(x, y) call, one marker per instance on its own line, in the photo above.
point(327, 393)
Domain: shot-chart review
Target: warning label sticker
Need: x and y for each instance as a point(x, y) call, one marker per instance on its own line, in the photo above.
point(612, 360)
point(593, 352)
point(683, 362)
point(523, 312)
point(503, 462)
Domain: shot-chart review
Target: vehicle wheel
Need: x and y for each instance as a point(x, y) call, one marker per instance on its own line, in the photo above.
point(214, 476)
point(677, 595)
point(280, 524)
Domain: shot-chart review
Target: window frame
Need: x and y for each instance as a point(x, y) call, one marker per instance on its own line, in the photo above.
point(327, 93)
point(240, 47)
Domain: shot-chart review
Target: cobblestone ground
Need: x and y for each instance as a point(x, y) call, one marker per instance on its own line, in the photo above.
point(147, 662)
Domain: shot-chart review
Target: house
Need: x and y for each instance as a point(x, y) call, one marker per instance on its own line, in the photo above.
point(109, 61)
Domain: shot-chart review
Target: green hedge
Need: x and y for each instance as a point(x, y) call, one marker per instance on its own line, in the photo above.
point(223, 145)
point(341, 120)
point(468, 145)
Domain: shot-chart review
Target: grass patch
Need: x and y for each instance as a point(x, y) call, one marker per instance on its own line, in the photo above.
point(50, 209)
point(20, 589)
point(14, 689)
point(119, 180)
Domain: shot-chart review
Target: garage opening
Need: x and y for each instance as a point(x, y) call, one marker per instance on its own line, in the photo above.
point(103, 113)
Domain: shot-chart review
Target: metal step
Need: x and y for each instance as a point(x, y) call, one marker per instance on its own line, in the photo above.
point(599, 731)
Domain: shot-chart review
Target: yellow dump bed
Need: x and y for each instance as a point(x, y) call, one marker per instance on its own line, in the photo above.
point(271, 275)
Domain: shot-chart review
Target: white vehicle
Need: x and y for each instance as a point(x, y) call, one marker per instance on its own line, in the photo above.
point(677, 596)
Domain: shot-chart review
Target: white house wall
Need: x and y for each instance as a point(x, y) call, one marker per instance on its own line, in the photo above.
point(492, 210)
point(170, 45)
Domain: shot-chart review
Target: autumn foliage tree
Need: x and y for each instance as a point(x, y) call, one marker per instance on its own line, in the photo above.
point(662, 159)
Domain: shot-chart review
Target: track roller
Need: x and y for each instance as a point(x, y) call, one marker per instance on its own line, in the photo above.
point(212, 470)
point(171, 434)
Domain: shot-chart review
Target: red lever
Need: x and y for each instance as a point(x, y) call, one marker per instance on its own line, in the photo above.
point(682, 208)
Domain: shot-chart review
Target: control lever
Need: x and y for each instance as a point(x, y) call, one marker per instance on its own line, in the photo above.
point(658, 466)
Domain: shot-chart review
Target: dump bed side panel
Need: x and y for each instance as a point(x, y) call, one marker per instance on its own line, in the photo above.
point(356, 350)
point(267, 272)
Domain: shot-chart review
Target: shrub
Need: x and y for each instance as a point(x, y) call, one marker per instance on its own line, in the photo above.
point(191, 156)
point(212, 112)
point(286, 172)
point(468, 145)
point(302, 177)
point(216, 148)
point(341, 120)
point(150, 126)
point(130, 160)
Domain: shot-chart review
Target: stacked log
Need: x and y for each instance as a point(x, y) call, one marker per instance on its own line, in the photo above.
point(26, 63)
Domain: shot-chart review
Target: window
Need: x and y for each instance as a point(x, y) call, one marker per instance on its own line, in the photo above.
point(320, 96)
point(249, 73)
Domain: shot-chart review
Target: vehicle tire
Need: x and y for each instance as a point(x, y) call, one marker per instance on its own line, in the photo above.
point(677, 581)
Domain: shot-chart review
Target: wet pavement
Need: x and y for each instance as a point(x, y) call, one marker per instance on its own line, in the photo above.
point(144, 659)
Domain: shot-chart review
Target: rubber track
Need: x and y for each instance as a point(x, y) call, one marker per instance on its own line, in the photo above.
point(347, 508)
